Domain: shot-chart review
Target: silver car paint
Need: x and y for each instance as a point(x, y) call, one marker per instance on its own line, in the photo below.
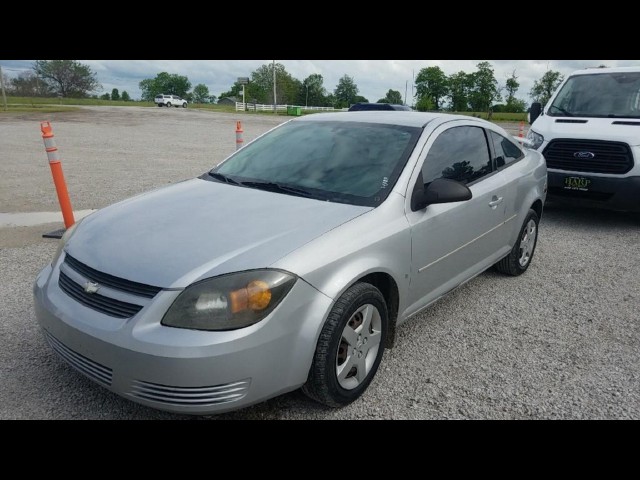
point(329, 246)
point(219, 228)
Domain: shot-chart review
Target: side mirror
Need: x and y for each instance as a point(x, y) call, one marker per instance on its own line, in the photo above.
point(534, 112)
point(441, 190)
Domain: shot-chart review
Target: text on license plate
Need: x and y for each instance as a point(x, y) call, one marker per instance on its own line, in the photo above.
point(577, 183)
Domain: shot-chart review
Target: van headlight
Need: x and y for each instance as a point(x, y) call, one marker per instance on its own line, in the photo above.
point(229, 302)
point(535, 138)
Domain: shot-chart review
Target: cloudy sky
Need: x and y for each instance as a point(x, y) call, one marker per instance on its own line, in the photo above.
point(373, 77)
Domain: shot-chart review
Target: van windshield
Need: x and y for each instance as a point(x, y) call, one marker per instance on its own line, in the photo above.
point(614, 95)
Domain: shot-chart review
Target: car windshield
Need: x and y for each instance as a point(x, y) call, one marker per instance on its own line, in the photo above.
point(346, 162)
point(614, 95)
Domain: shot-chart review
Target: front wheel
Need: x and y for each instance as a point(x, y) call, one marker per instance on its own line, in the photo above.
point(350, 347)
point(517, 262)
point(184, 105)
point(168, 104)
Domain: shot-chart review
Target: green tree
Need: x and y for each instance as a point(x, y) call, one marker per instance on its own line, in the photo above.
point(68, 78)
point(261, 85)
point(460, 85)
point(115, 95)
point(513, 104)
point(200, 93)
point(433, 83)
point(236, 91)
point(125, 96)
point(346, 92)
point(27, 84)
point(105, 96)
point(167, 83)
point(392, 96)
point(485, 88)
point(360, 99)
point(511, 87)
point(312, 91)
point(424, 104)
point(544, 88)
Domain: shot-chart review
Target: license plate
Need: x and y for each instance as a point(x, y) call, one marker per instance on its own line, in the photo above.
point(577, 183)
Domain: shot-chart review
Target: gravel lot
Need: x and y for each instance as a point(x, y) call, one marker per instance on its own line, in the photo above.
point(560, 342)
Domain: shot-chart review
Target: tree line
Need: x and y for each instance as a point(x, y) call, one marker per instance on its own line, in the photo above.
point(434, 90)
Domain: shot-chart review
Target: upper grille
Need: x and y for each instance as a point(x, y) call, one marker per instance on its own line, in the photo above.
point(107, 280)
point(186, 396)
point(566, 120)
point(107, 305)
point(609, 157)
point(91, 369)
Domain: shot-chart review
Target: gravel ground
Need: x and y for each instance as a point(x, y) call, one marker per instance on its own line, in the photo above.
point(559, 342)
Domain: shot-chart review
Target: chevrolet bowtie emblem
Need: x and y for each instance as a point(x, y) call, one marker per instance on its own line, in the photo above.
point(91, 287)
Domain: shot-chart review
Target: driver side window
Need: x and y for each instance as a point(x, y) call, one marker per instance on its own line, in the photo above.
point(460, 153)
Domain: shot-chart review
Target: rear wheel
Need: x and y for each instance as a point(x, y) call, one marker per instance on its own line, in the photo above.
point(350, 347)
point(168, 104)
point(159, 104)
point(517, 262)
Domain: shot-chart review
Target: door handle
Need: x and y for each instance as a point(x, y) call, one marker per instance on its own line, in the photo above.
point(495, 201)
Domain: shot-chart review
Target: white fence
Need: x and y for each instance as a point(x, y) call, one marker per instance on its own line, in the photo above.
point(258, 107)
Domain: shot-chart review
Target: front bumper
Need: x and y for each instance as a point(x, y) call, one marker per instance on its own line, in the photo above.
point(179, 370)
point(602, 192)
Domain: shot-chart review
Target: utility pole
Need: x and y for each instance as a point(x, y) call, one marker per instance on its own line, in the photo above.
point(4, 96)
point(405, 91)
point(413, 81)
point(275, 110)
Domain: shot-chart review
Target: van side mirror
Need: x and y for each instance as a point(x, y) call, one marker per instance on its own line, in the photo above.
point(534, 112)
point(441, 190)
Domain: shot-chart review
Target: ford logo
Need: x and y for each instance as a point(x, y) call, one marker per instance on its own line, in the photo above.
point(584, 155)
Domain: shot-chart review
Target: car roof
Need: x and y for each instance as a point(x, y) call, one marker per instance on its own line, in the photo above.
point(392, 117)
point(596, 70)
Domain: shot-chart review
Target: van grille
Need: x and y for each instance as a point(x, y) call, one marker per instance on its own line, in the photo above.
point(608, 157)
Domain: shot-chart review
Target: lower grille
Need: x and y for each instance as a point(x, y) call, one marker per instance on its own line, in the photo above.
point(600, 156)
point(107, 305)
point(186, 396)
point(96, 372)
point(598, 196)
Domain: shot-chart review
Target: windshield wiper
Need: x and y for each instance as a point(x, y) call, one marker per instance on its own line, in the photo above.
point(563, 111)
point(224, 178)
point(279, 188)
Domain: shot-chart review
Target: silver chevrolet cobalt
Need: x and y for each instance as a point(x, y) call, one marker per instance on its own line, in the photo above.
point(292, 263)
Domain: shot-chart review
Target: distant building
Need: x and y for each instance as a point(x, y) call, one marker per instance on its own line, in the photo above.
point(228, 101)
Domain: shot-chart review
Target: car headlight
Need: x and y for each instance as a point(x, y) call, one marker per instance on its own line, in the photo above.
point(535, 138)
point(63, 241)
point(229, 302)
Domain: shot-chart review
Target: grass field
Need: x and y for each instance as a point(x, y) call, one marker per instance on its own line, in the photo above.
point(28, 104)
point(35, 109)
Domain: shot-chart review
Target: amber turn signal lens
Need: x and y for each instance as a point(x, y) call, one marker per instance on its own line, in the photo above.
point(256, 296)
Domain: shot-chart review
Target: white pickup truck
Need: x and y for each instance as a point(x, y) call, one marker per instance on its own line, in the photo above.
point(589, 133)
point(170, 101)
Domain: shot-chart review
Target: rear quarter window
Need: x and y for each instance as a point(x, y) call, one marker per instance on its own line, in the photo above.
point(506, 152)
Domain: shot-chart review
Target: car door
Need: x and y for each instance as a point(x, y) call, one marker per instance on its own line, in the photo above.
point(453, 242)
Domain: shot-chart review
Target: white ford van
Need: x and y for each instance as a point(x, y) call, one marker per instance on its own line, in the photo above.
point(589, 133)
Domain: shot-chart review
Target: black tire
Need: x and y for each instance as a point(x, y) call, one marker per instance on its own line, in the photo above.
point(511, 264)
point(168, 104)
point(159, 104)
point(322, 384)
point(184, 105)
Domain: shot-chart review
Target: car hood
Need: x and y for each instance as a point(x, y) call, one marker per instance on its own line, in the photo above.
point(197, 229)
point(594, 128)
